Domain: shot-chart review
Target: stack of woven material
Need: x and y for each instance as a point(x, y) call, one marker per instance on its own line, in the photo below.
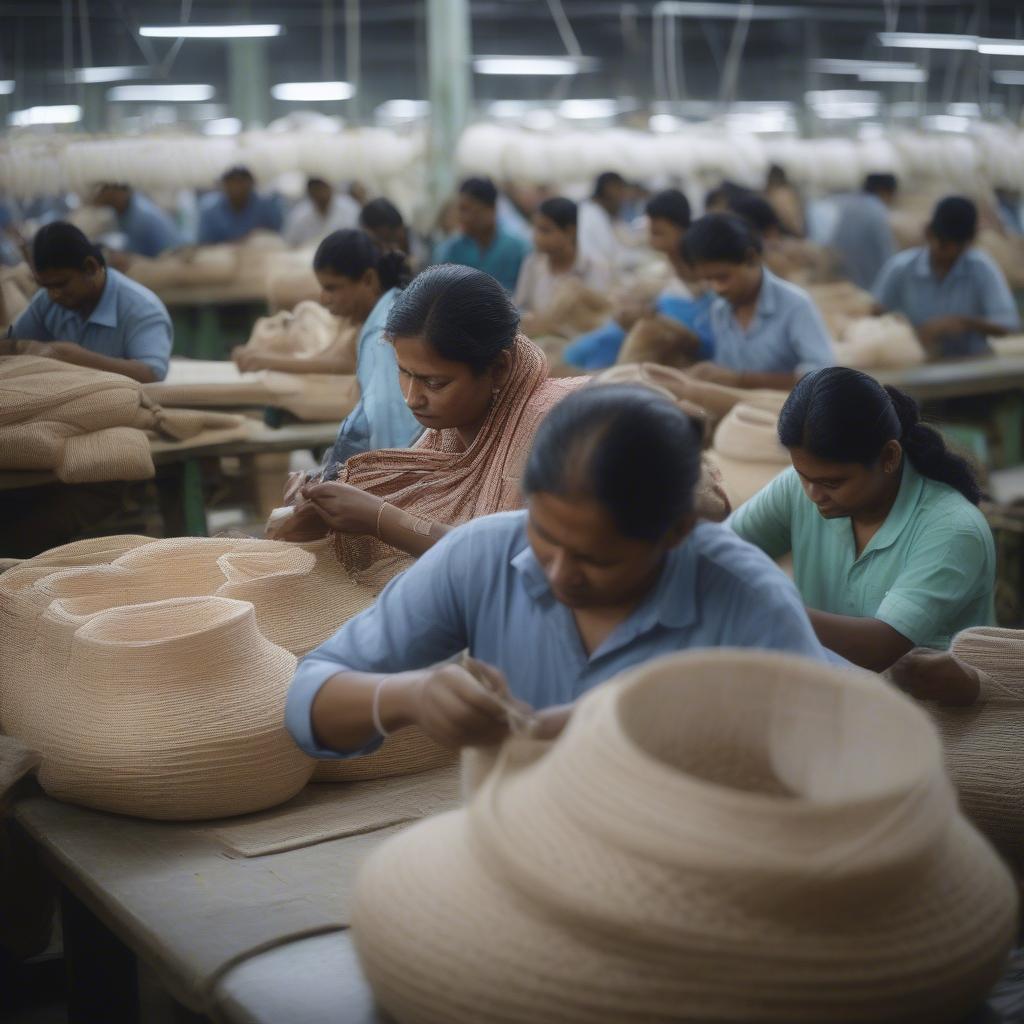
point(879, 343)
point(17, 286)
point(87, 425)
point(747, 452)
point(309, 336)
point(839, 303)
point(718, 836)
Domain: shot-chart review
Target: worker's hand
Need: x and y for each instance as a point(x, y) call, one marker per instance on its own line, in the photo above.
point(343, 507)
point(937, 676)
point(66, 351)
point(934, 330)
point(304, 525)
point(293, 486)
point(715, 374)
point(454, 708)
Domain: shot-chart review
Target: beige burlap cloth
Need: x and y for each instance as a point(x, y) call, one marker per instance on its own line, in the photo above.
point(879, 343)
point(17, 286)
point(324, 811)
point(718, 836)
point(308, 332)
point(983, 742)
point(88, 425)
point(840, 302)
point(747, 452)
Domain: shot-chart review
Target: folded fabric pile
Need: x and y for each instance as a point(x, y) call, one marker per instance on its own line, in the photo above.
point(879, 343)
point(88, 425)
point(17, 286)
point(307, 333)
point(747, 452)
point(718, 836)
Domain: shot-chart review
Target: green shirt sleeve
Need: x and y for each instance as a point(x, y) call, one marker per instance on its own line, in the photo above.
point(766, 520)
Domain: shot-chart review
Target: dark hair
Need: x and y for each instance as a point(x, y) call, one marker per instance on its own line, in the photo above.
point(562, 211)
point(61, 246)
point(480, 189)
point(842, 415)
point(237, 172)
point(462, 313)
point(726, 192)
point(310, 182)
point(720, 237)
point(757, 212)
point(875, 183)
point(605, 179)
point(955, 219)
point(380, 213)
point(352, 253)
point(634, 451)
point(670, 205)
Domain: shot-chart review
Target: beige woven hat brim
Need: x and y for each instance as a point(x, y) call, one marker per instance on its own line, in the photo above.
point(804, 861)
point(742, 479)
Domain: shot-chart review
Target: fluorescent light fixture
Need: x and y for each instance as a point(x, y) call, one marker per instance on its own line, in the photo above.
point(964, 110)
point(831, 66)
point(999, 77)
point(403, 110)
point(1002, 47)
point(540, 120)
point(927, 41)
point(118, 73)
point(691, 9)
point(494, 65)
point(893, 75)
point(160, 93)
point(60, 114)
point(222, 126)
point(312, 92)
point(664, 124)
point(509, 108)
point(6, 86)
point(209, 31)
point(843, 104)
point(761, 120)
point(947, 123)
point(582, 110)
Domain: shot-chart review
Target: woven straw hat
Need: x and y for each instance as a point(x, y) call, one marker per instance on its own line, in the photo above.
point(718, 836)
point(170, 709)
point(747, 452)
point(983, 742)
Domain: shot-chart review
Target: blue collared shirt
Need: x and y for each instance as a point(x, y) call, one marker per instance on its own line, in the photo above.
point(129, 322)
point(483, 589)
point(786, 335)
point(148, 229)
point(381, 419)
point(219, 221)
point(863, 237)
point(975, 286)
point(502, 259)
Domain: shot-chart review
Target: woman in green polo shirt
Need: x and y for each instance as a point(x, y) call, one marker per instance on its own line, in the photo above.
point(889, 548)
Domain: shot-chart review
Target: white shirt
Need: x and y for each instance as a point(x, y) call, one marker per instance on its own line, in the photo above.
point(538, 286)
point(595, 234)
point(304, 223)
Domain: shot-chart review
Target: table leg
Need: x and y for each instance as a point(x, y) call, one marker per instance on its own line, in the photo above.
point(102, 976)
point(180, 490)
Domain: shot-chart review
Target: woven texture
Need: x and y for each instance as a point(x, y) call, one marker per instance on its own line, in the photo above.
point(17, 286)
point(170, 709)
point(308, 332)
point(706, 817)
point(983, 742)
point(879, 343)
point(324, 812)
point(747, 452)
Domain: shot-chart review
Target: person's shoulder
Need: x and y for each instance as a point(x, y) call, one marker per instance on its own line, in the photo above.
point(730, 564)
point(210, 202)
point(134, 297)
point(792, 295)
point(944, 508)
point(447, 248)
point(501, 532)
point(900, 262)
point(981, 263)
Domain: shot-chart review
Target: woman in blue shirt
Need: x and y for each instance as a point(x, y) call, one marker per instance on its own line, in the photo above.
point(607, 568)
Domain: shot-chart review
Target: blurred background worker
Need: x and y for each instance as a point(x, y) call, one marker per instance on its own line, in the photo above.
point(237, 209)
point(323, 211)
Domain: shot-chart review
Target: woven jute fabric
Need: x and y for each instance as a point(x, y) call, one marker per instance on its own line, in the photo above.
point(983, 742)
point(170, 709)
point(747, 452)
point(17, 286)
point(879, 343)
point(308, 332)
point(718, 836)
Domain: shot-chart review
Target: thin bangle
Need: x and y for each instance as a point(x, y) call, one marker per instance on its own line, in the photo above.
point(375, 713)
point(380, 513)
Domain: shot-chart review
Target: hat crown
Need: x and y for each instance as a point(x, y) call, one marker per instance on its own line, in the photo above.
point(750, 434)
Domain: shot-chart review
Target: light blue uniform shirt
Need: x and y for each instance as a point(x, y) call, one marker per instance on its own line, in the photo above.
point(863, 237)
point(482, 588)
point(381, 419)
point(974, 287)
point(129, 322)
point(928, 572)
point(502, 259)
point(786, 335)
point(219, 221)
point(148, 229)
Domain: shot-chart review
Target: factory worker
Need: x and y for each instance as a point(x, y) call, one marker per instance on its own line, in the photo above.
point(605, 568)
point(767, 332)
point(148, 230)
point(862, 238)
point(90, 314)
point(953, 294)
point(322, 212)
point(889, 548)
point(237, 209)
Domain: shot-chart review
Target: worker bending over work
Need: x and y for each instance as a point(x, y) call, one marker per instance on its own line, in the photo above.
point(606, 568)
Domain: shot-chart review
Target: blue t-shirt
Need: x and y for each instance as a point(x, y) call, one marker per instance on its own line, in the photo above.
point(148, 229)
point(129, 322)
point(219, 221)
point(502, 258)
point(863, 237)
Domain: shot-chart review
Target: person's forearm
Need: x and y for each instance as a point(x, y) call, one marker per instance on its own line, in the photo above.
point(133, 368)
point(772, 381)
point(869, 643)
point(408, 533)
point(988, 327)
point(342, 711)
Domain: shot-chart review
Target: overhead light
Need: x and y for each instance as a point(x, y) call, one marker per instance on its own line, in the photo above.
point(843, 104)
point(947, 123)
point(964, 110)
point(1002, 47)
point(582, 110)
point(403, 110)
point(540, 120)
point(509, 108)
point(160, 93)
point(999, 77)
point(831, 66)
point(927, 41)
point(532, 65)
point(664, 124)
point(6, 86)
point(222, 126)
point(691, 9)
point(209, 31)
point(893, 75)
point(118, 73)
point(312, 92)
point(60, 114)
point(763, 118)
